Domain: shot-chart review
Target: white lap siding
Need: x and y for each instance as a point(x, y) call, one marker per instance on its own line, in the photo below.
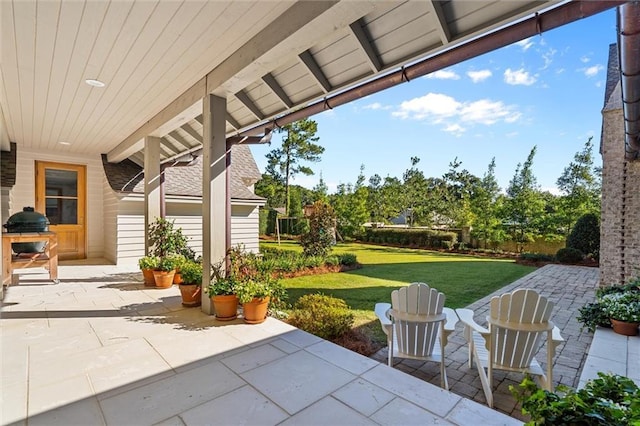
point(187, 214)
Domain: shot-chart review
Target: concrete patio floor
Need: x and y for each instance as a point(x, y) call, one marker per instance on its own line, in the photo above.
point(569, 288)
point(99, 348)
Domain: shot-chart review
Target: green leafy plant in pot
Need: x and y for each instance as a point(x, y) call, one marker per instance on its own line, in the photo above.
point(255, 294)
point(191, 285)
point(624, 311)
point(147, 264)
point(164, 272)
point(222, 291)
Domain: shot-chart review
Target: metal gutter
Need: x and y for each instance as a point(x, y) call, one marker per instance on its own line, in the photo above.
point(544, 21)
point(629, 57)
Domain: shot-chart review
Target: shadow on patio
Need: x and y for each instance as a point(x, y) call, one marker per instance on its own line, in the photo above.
point(94, 354)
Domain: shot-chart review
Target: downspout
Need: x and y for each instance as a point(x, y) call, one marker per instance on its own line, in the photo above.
point(629, 54)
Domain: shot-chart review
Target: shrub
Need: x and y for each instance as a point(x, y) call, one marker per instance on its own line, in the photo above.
point(607, 400)
point(569, 255)
point(425, 238)
point(348, 259)
point(592, 315)
point(585, 235)
point(325, 316)
point(536, 257)
point(321, 235)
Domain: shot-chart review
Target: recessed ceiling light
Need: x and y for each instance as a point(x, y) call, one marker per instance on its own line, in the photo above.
point(64, 143)
point(94, 83)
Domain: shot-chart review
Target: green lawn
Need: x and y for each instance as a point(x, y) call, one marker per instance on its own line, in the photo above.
point(463, 279)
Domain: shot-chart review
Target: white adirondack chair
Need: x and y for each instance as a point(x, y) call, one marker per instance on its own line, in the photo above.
point(417, 325)
point(517, 324)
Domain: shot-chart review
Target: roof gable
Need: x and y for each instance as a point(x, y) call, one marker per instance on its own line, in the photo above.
point(128, 176)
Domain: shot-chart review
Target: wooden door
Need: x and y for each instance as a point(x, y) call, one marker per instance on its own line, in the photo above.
point(61, 196)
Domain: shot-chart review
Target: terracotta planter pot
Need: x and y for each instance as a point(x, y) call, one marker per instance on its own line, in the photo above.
point(625, 328)
point(177, 278)
point(190, 295)
point(163, 279)
point(149, 280)
point(225, 307)
point(255, 312)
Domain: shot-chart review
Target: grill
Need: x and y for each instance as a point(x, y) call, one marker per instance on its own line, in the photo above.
point(28, 220)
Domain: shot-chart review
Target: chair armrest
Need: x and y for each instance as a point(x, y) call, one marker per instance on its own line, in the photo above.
point(381, 310)
point(556, 336)
point(452, 319)
point(466, 317)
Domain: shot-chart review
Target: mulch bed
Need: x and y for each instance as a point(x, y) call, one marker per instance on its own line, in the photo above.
point(319, 270)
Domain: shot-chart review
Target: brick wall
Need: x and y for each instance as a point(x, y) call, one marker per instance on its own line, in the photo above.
point(620, 229)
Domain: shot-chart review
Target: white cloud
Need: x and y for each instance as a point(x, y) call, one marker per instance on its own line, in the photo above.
point(444, 75)
point(478, 76)
point(455, 129)
point(432, 105)
point(547, 57)
point(456, 116)
point(592, 71)
point(518, 77)
point(377, 106)
point(585, 59)
point(488, 112)
point(512, 134)
point(524, 44)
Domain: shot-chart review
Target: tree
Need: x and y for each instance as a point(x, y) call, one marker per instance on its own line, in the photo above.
point(320, 191)
point(320, 238)
point(459, 189)
point(413, 193)
point(485, 207)
point(350, 205)
point(298, 146)
point(524, 203)
point(271, 189)
point(580, 186)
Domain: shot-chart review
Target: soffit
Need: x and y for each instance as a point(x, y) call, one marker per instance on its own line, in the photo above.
point(150, 52)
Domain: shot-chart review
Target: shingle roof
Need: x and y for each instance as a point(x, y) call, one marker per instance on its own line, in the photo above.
point(612, 92)
point(127, 176)
point(8, 167)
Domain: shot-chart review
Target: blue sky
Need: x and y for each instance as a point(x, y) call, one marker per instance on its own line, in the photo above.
point(547, 90)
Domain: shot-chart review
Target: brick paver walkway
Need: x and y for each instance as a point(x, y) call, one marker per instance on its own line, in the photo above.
point(569, 288)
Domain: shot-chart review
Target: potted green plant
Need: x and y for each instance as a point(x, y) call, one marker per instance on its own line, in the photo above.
point(191, 284)
point(165, 239)
point(147, 264)
point(624, 311)
point(254, 295)
point(163, 274)
point(222, 292)
point(178, 261)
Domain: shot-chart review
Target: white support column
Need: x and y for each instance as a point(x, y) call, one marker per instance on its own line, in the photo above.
point(215, 196)
point(151, 185)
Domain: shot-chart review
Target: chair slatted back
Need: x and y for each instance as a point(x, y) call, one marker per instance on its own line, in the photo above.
point(417, 338)
point(513, 347)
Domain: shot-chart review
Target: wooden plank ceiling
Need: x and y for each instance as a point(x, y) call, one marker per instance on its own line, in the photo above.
point(149, 52)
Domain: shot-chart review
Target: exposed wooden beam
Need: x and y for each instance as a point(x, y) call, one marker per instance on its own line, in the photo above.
point(365, 45)
point(135, 141)
point(307, 59)
point(192, 132)
point(270, 81)
point(233, 122)
point(180, 139)
point(293, 19)
point(247, 102)
point(435, 9)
